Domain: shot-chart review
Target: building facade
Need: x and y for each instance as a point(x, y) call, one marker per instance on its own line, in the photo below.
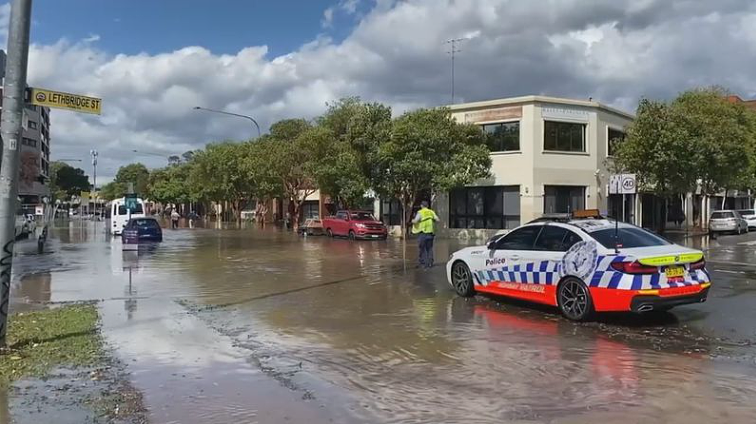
point(549, 155)
point(35, 156)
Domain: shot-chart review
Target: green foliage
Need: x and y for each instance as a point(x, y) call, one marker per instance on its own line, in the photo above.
point(698, 139)
point(67, 181)
point(429, 151)
point(135, 173)
point(220, 173)
point(171, 185)
point(349, 169)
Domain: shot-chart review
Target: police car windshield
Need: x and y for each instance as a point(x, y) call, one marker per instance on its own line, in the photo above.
point(628, 238)
point(362, 216)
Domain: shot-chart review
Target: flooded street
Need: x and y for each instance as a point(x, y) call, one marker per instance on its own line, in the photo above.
point(261, 326)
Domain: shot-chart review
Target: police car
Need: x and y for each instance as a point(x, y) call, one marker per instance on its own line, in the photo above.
point(583, 264)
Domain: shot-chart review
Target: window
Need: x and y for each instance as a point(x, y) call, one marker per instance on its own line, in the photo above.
point(29, 142)
point(520, 239)
point(391, 212)
point(722, 215)
point(628, 238)
point(495, 207)
point(563, 136)
point(311, 210)
point(556, 239)
point(122, 209)
point(32, 125)
point(341, 215)
point(145, 223)
point(563, 199)
point(614, 137)
point(362, 216)
point(503, 137)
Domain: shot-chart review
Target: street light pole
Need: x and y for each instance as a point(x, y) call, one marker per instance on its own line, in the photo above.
point(223, 112)
point(10, 129)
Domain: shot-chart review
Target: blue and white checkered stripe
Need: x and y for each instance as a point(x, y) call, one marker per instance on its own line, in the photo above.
point(548, 273)
point(544, 272)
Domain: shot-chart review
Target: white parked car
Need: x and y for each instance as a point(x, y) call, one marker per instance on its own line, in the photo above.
point(583, 266)
point(750, 216)
point(727, 222)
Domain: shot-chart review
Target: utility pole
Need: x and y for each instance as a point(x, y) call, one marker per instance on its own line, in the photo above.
point(453, 50)
point(11, 126)
point(94, 181)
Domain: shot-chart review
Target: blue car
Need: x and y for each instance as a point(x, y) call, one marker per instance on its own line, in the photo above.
point(139, 230)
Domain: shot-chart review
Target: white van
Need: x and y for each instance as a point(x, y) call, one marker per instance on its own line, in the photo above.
point(118, 216)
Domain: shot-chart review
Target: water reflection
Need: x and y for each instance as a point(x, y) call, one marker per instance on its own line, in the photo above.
point(356, 318)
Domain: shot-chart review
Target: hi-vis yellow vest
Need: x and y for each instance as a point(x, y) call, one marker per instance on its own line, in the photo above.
point(427, 219)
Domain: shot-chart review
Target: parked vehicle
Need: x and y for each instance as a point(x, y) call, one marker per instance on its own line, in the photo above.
point(118, 216)
point(144, 229)
point(311, 227)
point(355, 225)
point(727, 222)
point(583, 266)
point(750, 216)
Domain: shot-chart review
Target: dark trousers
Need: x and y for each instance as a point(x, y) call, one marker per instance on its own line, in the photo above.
point(425, 247)
point(174, 223)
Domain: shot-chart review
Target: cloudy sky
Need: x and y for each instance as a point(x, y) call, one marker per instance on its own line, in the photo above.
point(152, 61)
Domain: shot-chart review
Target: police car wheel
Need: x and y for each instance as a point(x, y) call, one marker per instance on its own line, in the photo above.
point(351, 235)
point(574, 300)
point(329, 233)
point(462, 280)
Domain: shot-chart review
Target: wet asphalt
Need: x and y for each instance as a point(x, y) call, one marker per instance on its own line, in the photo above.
point(259, 325)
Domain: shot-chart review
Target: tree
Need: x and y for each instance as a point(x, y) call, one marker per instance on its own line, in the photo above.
point(291, 155)
point(428, 151)
point(722, 138)
point(67, 181)
point(221, 173)
point(135, 173)
point(357, 128)
point(698, 140)
point(656, 149)
point(171, 185)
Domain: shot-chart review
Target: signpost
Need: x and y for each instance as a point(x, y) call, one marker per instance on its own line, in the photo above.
point(61, 100)
point(623, 184)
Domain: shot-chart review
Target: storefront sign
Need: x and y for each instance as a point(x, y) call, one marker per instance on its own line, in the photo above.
point(570, 114)
point(490, 115)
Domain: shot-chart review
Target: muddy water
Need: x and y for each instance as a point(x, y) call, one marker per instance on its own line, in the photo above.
point(262, 326)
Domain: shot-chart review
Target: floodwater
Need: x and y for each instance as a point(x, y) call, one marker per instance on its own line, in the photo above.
point(262, 326)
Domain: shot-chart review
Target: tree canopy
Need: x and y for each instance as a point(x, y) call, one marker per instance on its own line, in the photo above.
point(67, 181)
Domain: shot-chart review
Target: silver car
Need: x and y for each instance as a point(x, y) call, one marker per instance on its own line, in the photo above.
point(750, 216)
point(727, 222)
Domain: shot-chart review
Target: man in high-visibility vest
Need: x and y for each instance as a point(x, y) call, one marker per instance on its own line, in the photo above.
point(424, 226)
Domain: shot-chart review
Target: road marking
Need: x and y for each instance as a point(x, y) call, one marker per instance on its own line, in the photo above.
point(747, 243)
point(729, 272)
point(746, 264)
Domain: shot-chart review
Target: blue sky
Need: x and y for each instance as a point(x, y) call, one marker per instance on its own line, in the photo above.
point(157, 26)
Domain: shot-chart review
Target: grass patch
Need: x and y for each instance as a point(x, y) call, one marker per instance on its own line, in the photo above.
point(38, 342)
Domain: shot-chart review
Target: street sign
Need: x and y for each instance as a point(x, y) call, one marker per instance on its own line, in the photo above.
point(61, 100)
point(622, 184)
point(131, 201)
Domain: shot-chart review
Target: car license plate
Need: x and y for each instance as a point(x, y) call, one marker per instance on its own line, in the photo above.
point(674, 271)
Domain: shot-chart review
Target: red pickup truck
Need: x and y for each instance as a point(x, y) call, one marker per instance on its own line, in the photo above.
point(355, 224)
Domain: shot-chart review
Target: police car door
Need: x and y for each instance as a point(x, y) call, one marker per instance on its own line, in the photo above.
point(510, 256)
point(550, 247)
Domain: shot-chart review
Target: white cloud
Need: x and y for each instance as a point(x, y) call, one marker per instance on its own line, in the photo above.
point(327, 20)
point(92, 38)
point(612, 51)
